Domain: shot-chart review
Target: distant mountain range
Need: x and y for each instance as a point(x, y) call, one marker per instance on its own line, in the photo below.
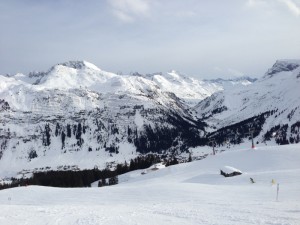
point(270, 107)
point(76, 115)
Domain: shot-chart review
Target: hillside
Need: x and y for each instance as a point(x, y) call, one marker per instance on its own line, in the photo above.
point(270, 107)
point(190, 193)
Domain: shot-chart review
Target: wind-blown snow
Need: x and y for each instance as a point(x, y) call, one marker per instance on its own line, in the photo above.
point(192, 193)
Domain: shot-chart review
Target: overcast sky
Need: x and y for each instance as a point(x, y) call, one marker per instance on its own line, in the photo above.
point(199, 38)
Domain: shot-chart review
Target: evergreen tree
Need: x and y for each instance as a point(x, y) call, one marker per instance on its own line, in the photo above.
point(113, 180)
point(57, 128)
point(32, 154)
point(190, 157)
point(46, 137)
point(63, 137)
point(69, 131)
point(78, 135)
point(103, 181)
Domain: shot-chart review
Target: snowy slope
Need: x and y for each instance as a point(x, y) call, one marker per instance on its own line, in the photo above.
point(192, 90)
point(192, 193)
point(275, 97)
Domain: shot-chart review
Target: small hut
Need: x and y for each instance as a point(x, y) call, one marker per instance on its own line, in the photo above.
point(228, 171)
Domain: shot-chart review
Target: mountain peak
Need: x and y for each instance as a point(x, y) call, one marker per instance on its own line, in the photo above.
point(236, 79)
point(283, 66)
point(78, 65)
point(175, 75)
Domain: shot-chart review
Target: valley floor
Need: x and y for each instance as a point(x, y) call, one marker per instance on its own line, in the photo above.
point(191, 193)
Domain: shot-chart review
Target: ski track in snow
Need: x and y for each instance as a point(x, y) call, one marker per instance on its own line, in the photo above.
point(191, 193)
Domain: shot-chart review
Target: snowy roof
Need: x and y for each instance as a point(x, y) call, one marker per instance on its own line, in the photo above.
point(229, 169)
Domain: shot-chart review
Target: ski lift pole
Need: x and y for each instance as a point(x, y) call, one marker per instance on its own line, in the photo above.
point(252, 131)
point(212, 141)
point(277, 192)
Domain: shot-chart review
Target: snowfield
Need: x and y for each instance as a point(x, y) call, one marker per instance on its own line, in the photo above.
point(191, 193)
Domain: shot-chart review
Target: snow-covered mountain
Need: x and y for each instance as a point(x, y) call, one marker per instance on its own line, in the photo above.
point(191, 90)
point(77, 115)
point(270, 106)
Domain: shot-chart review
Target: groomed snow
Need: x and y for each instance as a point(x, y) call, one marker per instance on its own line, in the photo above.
point(191, 193)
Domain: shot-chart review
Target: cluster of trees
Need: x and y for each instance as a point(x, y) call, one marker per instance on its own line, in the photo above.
point(234, 133)
point(78, 130)
point(173, 161)
point(159, 139)
point(280, 133)
point(181, 133)
point(70, 178)
point(110, 181)
point(295, 131)
point(14, 183)
point(143, 162)
point(84, 178)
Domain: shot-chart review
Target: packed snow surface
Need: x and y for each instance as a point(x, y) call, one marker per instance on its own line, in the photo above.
point(191, 193)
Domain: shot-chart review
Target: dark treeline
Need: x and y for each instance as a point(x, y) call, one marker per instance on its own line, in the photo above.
point(160, 139)
point(235, 133)
point(84, 178)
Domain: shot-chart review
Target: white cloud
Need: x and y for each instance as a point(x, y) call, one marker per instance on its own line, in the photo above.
point(129, 10)
point(293, 6)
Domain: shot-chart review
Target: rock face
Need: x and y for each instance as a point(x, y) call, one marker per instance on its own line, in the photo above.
point(282, 66)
